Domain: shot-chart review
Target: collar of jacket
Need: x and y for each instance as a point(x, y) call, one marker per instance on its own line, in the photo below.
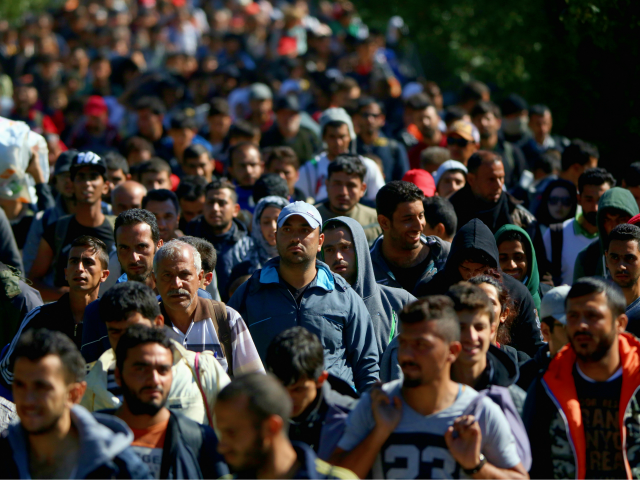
point(324, 279)
point(560, 385)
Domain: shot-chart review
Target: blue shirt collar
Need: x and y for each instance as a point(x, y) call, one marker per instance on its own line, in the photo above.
point(324, 279)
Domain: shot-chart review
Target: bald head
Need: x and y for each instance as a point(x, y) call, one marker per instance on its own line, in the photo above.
point(126, 196)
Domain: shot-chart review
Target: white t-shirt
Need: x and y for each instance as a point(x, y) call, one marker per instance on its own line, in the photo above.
point(417, 448)
point(313, 176)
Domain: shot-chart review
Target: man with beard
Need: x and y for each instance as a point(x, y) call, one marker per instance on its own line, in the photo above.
point(623, 262)
point(196, 322)
point(252, 416)
point(170, 444)
point(345, 189)
point(562, 245)
point(56, 438)
point(296, 289)
point(415, 428)
point(403, 257)
point(593, 385)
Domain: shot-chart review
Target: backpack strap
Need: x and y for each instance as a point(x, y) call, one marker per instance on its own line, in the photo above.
point(223, 330)
point(557, 239)
point(201, 388)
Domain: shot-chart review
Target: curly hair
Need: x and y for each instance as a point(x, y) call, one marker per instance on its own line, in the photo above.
point(494, 278)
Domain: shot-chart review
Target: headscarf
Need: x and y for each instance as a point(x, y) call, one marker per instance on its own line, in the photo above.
point(265, 252)
point(542, 213)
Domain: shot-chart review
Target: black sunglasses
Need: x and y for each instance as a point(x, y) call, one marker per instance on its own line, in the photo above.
point(566, 201)
point(460, 142)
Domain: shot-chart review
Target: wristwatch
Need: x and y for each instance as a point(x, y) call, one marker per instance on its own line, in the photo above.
point(477, 468)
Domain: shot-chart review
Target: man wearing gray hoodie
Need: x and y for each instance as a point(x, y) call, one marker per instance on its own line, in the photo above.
point(346, 251)
point(56, 438)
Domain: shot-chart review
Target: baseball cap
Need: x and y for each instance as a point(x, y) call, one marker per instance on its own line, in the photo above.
point(635, 220)
point(259, 91)
point(64, 161)
point(552, 304)
point(287, 102)
point(466, 130)
point(87, 159)
point(513, 104)
point(301, 208)
point(95, 106)
point(446, 166)
point(421, 179)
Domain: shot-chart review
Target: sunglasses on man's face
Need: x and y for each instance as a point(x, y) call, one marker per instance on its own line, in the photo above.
point(369, 115)
point(460, 142)
point(565, 201)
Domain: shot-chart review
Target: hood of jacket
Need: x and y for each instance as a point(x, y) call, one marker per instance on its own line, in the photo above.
point(102, 438)
point(532, 276)
point(265, 251)
point(473, 238)
point(382, 302)
point(503, 371)
point(616, 198)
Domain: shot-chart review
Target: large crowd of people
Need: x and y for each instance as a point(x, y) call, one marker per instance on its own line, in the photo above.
point(267, 247)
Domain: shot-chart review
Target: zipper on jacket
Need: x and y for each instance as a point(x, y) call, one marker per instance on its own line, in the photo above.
point(623, 432)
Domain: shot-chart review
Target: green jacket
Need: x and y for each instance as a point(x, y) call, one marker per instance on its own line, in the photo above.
point(590, 261)
point(533, 278)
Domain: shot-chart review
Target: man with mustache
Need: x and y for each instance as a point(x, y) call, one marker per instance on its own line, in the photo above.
point(415, 427)
point(192, 320)
point(296, 289)
point(170, 444)
point(85, 272)
point(623, 262)
point(582, 414)
point(563, 245)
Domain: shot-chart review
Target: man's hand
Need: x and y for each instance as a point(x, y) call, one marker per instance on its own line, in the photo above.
point(34, 167)
point(386, 412)
point(464, 439)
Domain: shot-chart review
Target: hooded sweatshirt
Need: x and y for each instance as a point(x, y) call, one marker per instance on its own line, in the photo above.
point(382, 302)
point(473, 238)
point(532, 280)
point(590, 261)
point(105, 450)
point(263, 251)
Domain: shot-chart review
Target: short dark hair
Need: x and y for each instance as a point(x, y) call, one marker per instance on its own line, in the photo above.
point(161, 195)
point(467, 296)
point(578, 152)
point(220, 184)
point(394, 193)
point(333, 124)
point(595, 176)
point(151, 103)
point(349, 164)
point(480, 157)
point(242, 129)
point(624, 232)
point(125, 298)
point(155, 165)
point(632, 175)
point(539, 110)
point(265, 394)
point(453, 113)
point(218, 106)
point(240, 147)
point(419, 101)
point(135, 216)
point(195, 150)
point(98, 246)
point(512, 235)
point(206, 250)
point(549, 161)
point(589, 285)
point(191, 188)
point(270, 184)
point(35, 344)
point(473, 90)
point(293, 354)
point(115, 161)
point(138, 144)
point(434, 308)
point(483, 107)
point(283, 154)
point(137, 335)
point(440, 210)
point(364, 102)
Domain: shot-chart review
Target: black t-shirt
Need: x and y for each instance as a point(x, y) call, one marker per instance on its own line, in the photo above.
point(408, 277)
point(600, 404)
point(297, 292)
point(104, 232)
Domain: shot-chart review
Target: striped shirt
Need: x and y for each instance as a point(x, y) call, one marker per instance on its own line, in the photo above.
point(201, 335)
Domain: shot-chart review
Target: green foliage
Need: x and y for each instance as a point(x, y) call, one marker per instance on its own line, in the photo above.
point(14, 10)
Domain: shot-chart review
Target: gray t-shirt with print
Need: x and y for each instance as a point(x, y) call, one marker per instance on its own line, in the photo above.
point(417, 449)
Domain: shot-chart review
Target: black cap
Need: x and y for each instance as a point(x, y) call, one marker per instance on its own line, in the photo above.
point(513, 104)
point(87, 159)
point(287, 102)
point(182, 120)
point(64, 161)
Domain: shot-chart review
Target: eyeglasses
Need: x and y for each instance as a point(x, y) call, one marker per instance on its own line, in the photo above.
point(460, 142)
point(369, 115)
point(566, 201)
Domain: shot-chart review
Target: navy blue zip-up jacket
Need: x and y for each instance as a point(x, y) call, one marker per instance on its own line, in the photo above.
point(330, 308)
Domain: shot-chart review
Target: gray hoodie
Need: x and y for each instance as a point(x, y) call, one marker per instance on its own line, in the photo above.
point(103, 438)
point(382, 302)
